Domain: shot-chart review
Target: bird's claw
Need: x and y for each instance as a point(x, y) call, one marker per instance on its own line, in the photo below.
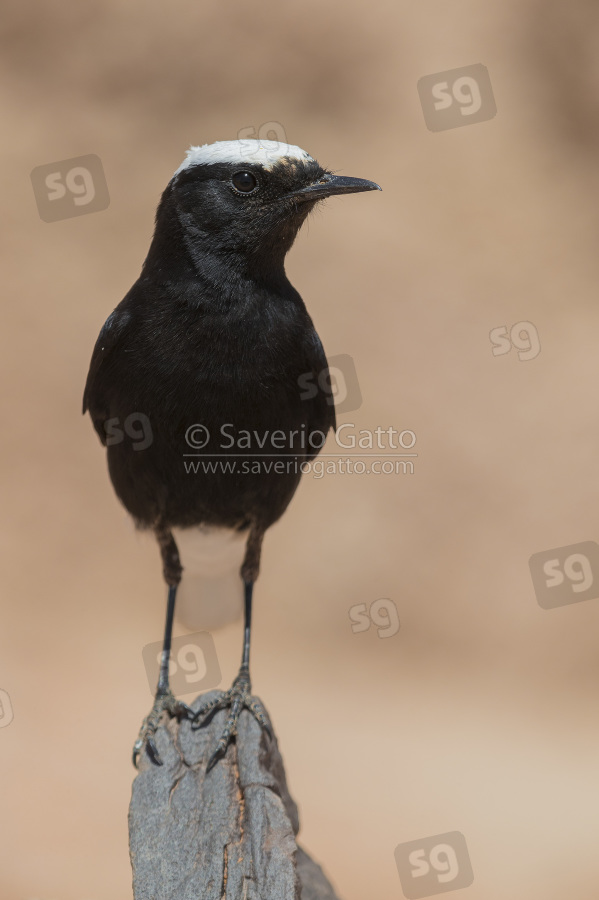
point(151, 750)
point(238, 697)
point(163, 702)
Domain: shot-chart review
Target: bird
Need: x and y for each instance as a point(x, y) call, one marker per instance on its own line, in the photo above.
point(207, 353)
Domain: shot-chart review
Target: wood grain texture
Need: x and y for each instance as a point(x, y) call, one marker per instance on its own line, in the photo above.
point(226, 834)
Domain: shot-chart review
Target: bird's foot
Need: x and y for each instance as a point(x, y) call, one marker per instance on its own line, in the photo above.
point(164, 702)
point(238, 697)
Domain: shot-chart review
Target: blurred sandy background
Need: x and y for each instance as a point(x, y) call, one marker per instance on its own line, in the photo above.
point(481, 714)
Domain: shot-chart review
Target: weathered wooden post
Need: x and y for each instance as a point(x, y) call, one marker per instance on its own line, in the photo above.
point(226, 834)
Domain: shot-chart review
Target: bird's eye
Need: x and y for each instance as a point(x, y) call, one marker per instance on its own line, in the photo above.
point(244, 182)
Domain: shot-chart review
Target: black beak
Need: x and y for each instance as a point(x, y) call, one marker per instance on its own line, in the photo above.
point(334, 184)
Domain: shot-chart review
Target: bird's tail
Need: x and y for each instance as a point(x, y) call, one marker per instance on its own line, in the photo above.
point(210, 594)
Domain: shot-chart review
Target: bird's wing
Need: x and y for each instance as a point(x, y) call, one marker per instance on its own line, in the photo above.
point(110, 336)
point(321, 409)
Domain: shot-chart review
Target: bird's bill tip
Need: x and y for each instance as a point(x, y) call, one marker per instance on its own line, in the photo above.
point(335, 184)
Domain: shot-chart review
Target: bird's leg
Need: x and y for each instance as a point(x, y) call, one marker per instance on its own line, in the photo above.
point(239, 696)
point(164, 700)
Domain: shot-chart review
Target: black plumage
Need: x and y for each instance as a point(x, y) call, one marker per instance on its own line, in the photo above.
point(213, 333)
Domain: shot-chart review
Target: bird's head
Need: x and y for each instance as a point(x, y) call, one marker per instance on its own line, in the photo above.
point(245, 201)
